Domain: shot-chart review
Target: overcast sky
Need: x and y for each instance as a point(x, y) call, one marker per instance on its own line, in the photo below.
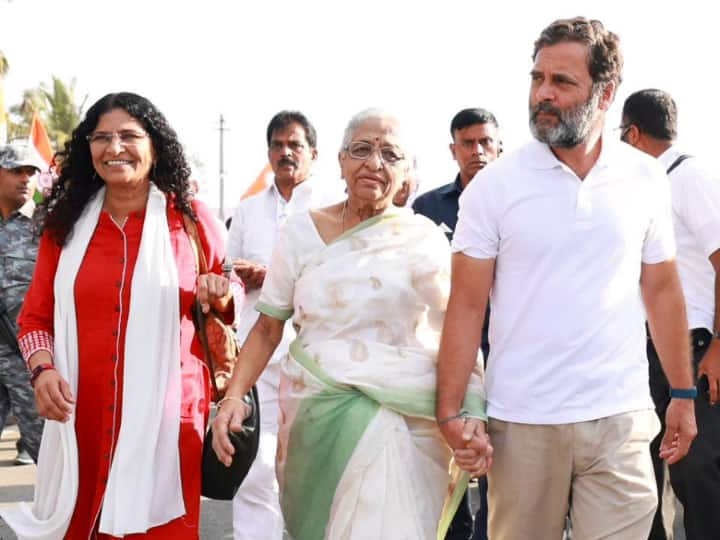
point(422, 60)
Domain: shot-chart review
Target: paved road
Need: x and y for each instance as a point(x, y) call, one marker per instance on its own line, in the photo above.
point(16, 484)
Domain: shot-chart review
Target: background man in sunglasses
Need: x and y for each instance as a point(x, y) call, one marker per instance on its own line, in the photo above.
point(18, 251)
point(649, 123)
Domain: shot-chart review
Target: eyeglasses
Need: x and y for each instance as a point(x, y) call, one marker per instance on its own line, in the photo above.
point(362, 151)
point(102, 139)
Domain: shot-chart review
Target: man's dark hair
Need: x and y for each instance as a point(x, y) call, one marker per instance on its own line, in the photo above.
point(283, 119)
point(470, 117)
point(653, 112)
point(605, 60)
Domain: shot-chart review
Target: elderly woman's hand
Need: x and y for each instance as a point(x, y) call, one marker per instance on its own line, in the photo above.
point(53, 397)
point(213, 289)
point(232, 411)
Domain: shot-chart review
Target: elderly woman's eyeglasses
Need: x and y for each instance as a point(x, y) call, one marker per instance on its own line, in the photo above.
point(103, 139)
point(361, 151)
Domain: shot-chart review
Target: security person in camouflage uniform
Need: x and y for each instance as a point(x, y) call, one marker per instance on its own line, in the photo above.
point(18, 250)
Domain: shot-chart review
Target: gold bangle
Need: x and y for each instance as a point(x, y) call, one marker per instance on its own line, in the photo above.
point(229, 398)
point(462, 415)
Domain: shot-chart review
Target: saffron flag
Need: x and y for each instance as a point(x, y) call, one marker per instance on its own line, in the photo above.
point(261, 182)
point(40, 140)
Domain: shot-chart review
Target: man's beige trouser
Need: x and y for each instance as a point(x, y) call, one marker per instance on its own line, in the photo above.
point(599, 472)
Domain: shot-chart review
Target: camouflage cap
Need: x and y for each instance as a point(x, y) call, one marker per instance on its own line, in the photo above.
point(16, 155)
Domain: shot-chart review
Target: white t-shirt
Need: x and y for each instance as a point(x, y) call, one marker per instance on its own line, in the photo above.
point(567, 334)
point(696, 219)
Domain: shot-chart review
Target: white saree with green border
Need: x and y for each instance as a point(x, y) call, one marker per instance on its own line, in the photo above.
point(359, 453)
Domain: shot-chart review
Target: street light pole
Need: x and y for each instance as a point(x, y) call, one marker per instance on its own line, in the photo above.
point(221, 210)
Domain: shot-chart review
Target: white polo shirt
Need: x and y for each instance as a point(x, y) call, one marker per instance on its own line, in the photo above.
point(696, 220)
point(567, 334)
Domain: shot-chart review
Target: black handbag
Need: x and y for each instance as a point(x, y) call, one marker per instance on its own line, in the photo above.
point(218, 481)
point(221, 482)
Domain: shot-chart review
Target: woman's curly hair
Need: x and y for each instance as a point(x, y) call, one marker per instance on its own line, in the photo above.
point(79, 181)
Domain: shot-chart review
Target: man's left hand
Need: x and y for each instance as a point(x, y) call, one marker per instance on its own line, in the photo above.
point(710, 367)
point(470, 443)
point(251, 274)
point(680, 430)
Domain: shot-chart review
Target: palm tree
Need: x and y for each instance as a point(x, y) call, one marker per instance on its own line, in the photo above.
point(21, 114)
point(4, 65)
point(56, 106)
point(62, 112)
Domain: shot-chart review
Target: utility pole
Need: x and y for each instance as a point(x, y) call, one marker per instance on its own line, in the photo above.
point(223, 129)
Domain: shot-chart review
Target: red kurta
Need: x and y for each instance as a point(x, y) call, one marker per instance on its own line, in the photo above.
point(102, 299)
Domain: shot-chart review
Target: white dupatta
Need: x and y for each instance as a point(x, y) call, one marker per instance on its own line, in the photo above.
point(144, 487)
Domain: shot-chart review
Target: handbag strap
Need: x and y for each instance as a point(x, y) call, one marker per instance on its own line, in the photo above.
point(677, 162)
point(198, 315)
point(194, 235)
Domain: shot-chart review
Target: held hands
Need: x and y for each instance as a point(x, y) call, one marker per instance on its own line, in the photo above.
point(212, 290)
point(252, 274)
point(680, 431)
point(470, 444)
point(53, 397)
point(230, 416)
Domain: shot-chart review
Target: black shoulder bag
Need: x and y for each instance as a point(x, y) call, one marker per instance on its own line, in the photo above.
point(218, 481)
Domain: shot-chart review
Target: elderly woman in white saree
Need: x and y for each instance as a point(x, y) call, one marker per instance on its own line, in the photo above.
point(366, 285)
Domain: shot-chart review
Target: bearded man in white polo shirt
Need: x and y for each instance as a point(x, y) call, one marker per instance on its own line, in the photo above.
point(649, 123)
point(573, 234)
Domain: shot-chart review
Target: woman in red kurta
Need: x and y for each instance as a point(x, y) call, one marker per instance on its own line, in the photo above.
point(102, 296)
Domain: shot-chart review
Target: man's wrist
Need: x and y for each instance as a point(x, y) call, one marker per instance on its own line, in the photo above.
point(462, 415)
point(683, 393)
point(444, 410)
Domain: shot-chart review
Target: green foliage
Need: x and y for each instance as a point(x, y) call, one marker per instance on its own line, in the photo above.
point(4, 65)
point(63, 114)
point(56, 105)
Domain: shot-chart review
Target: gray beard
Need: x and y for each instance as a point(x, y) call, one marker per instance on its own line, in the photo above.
point(573, 127)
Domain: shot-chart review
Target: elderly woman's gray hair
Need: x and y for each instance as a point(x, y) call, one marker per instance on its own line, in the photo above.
point(375, 114)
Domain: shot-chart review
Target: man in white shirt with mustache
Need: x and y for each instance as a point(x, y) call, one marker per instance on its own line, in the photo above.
point(292, 151)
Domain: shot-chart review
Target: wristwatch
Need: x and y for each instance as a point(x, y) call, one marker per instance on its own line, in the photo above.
point(37, 370)
point(683, 393)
